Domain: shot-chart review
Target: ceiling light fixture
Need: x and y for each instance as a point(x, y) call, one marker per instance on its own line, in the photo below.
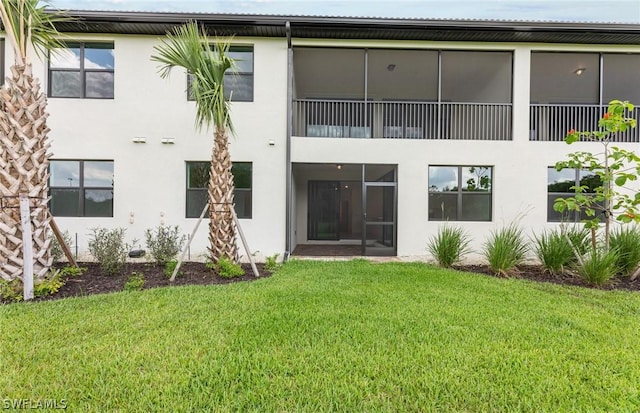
point(339, 166)
point(579, 71)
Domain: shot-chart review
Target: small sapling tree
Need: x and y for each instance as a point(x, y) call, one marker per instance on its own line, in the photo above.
point(613, 199)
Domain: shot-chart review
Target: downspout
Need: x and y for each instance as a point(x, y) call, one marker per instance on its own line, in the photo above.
point(289, 200)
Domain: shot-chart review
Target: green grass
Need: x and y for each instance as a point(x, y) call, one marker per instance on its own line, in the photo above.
point(339, 336)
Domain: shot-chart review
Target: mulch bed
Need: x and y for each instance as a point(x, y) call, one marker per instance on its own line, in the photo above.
point(536, 273)
point(94, 281)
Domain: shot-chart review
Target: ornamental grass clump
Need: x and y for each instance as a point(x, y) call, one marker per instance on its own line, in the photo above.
point(505, 249)
point(626, 242)
point(557, 249)
point(598, 266)
point(449, 245)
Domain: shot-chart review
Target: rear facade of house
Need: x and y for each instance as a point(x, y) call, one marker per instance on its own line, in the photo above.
point(363, 134)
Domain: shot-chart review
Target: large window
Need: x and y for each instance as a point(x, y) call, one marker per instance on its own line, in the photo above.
point(238, 85)
point(460, 193)
point(560, 185)
point(82, 70)
point(81, 188)
point(198, 180)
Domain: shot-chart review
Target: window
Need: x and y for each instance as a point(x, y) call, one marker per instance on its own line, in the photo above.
point(460, 193)
point(81, 188)
point(238, 85)
point(198, 180)
point(559, 185)
point(82, 70)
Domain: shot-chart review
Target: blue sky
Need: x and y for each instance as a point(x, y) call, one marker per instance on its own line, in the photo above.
point(622, 11)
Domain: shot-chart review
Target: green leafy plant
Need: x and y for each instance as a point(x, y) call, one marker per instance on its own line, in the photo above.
point(169, 267)
point(626, 242)
point(11, 290)
point(505, 249)
point(449, 245)
point(271, 262)
point(135, 282)
point(228, 269)
point(579, 237)
point(71, 271)
point(56, 249)
point(614, 166)
point(210, 265)
point(164, 243)
point(109, 249)
point(598, 266)
point(48, 285)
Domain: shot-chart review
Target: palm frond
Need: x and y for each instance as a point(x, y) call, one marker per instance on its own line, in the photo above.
point(29, 23)
point(207, 61)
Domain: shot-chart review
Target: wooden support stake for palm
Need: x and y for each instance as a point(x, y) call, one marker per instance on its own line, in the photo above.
point(61, 241)
point(186, 247)
point(27, 248)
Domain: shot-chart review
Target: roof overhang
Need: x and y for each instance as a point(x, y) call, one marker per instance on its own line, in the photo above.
point(152, 23)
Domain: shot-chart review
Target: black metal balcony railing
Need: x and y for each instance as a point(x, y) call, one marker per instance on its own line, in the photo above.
point(552, 122)
point(402, 120)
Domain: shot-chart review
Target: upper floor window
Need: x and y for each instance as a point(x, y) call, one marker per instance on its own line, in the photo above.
point(81, 188)
point(82, 70)
point(560, 185)
point(460, 193)
point(238, 85)
point(198, 181)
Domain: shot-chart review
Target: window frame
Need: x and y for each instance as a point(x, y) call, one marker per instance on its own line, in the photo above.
point(575, 217)
point(229, 74)
point(82, 188)
point(236, 190)
point(82, 45)
point(461, 194)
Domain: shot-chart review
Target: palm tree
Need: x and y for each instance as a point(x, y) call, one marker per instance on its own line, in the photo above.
point(189, 47)
point(24, 147)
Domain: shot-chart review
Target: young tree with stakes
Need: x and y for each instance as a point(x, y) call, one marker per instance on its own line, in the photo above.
point(206, 61)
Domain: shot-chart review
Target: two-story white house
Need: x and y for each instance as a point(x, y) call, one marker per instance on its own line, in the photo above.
point(359, 134)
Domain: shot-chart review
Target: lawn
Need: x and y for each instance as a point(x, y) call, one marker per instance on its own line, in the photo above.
point(331, 336)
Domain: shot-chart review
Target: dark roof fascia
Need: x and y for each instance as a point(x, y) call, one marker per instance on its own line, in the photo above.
point(155, 23)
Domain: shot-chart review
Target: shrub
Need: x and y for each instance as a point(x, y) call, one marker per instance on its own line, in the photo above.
point(598, 266)
point(554, 251)
point(228, 269)
point(48, 285)
point(449, 245)
point(56, 248)
point(135, 282)
point(11, 290)
point(271, 263)
point(169, 266)
point(109, 249)
point(164, 243)
point(70, 271)
point(505, 249)
point(626, 241)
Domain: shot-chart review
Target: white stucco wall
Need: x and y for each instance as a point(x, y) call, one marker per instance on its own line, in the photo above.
point(150, 177)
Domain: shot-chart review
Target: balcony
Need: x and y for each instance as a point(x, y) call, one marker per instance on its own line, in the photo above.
point(552, 122)
point(337, 118)
point(571, 91)
point(402, 94)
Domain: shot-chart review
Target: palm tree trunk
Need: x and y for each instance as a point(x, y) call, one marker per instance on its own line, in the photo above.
point(24, 169)
point(222, 234)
